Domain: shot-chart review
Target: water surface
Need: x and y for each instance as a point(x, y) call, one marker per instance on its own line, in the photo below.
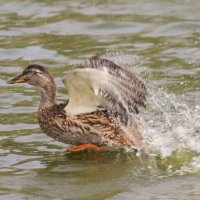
point(158, 40)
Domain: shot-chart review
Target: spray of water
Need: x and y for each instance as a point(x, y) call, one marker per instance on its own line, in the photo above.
point(170, 124)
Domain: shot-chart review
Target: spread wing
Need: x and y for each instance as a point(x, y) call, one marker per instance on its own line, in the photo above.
point(101, 83)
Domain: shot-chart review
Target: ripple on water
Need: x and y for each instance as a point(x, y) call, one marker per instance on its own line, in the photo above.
point(32, 138)
point(174, 29)
point(72, 27)
point(19, 126)
point(18, 110)
point(26, 9)
point(190, 55)
point(157, 9)
point(17, 96)
point(30, 165)
point(37, 53)
point(13, 159)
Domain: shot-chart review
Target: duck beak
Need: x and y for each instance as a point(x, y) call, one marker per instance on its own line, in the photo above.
point(18, 79)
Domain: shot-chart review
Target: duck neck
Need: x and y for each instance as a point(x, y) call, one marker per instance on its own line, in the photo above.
point(48, 95)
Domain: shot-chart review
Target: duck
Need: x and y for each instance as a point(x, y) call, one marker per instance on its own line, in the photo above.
point(99, 113)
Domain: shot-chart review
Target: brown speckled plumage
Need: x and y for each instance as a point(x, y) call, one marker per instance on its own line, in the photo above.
point(107, 122)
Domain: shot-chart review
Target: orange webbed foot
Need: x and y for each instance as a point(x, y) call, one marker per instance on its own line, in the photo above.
point(86, 147)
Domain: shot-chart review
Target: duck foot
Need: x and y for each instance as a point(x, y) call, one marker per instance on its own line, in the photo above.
point(86, 147)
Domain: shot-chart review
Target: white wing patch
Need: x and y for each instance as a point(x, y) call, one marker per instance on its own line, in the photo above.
point(100, 82)
point(83, 89)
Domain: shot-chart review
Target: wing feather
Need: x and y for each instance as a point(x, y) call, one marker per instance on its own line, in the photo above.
point(101, 83)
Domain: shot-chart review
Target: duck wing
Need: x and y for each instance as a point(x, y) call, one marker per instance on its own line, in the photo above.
point(101, 83)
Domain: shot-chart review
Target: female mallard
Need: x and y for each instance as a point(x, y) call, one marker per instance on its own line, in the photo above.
point(98, 115)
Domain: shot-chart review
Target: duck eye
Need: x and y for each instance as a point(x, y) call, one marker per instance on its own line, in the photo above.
point(25, 72)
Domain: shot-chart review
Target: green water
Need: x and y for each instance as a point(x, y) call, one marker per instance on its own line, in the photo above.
point(158, 40)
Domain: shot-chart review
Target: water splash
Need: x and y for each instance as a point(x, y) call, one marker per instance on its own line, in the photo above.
point(169, 123)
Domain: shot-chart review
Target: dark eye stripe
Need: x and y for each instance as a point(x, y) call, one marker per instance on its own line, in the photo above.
point(25, 72)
